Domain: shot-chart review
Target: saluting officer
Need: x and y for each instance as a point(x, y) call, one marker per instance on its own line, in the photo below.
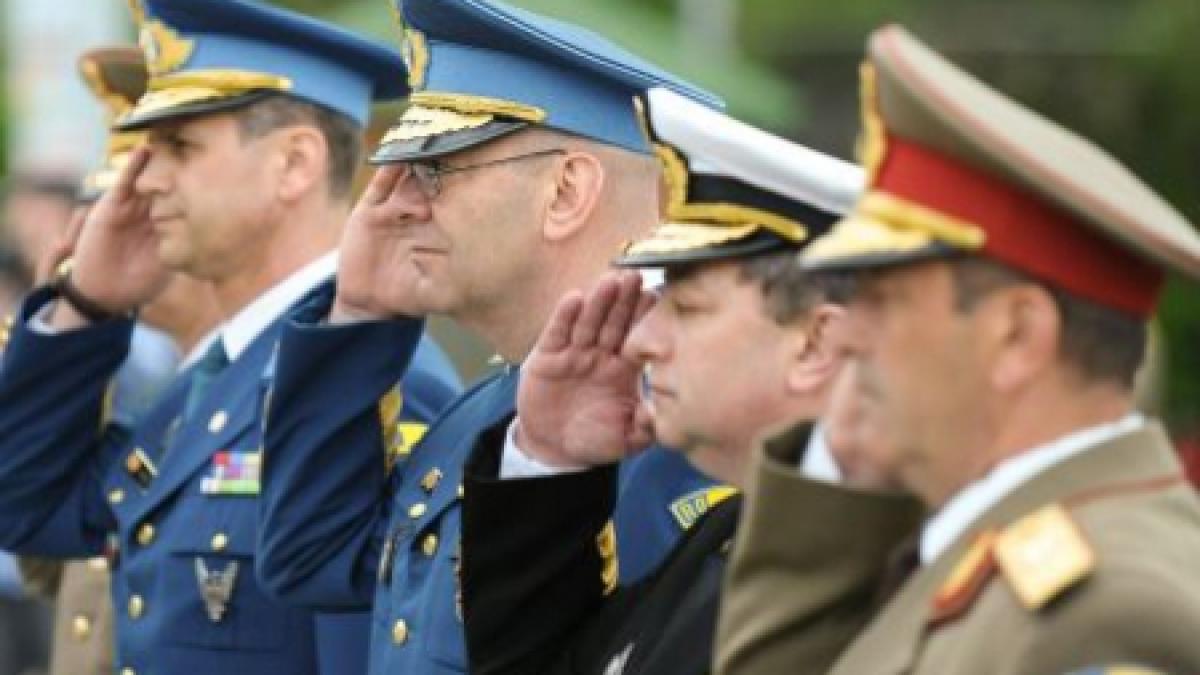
point(739, 340)
point(254, 118)
point(515, 174)
point(1006, 269)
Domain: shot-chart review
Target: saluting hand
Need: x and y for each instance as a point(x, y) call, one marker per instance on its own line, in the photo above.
point(377, 277)
point(116, 258)
point(578, 401)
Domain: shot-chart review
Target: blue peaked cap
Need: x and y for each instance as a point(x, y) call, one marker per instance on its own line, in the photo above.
point(481, 68)
point(211, 55)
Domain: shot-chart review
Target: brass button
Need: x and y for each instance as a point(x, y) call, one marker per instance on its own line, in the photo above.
point(217, 422)
point(116, 496)
point(431, 479)
point(429, 544)
point(416, 510)
point(219, 541)
point(400, 632)
point(145, 534)
point(137, 607)
point(81, 627)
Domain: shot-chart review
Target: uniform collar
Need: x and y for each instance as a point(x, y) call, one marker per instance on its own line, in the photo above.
point(253, 319)
point(964, 508)
point(199, 350)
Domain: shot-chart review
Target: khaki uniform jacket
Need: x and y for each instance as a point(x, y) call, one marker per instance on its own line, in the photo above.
point(83, 613)
point(1134, 598)
point(805, 573)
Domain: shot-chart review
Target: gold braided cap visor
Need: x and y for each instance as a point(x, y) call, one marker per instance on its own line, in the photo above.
point(885, 226)
point(166, 92)
point(435, 113)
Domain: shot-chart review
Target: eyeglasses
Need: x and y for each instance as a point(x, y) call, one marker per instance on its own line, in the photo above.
point(428, 173)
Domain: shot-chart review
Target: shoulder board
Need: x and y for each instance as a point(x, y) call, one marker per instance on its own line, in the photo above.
point(966, 580)
point(1043, 554)
point(690, 507)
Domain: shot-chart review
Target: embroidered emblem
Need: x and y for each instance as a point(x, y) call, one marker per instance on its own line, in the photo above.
point(416, 56)
point(165, 49)
point(216, 588)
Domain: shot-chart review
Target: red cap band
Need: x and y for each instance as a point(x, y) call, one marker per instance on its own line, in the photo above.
point(1022, 230)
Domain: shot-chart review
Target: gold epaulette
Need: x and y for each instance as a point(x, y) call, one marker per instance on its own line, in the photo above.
point(1043, 554)
point(6, 331)
point(606, 544)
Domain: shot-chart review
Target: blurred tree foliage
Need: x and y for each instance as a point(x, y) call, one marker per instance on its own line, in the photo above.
point(752, 89)
point(1118, 71)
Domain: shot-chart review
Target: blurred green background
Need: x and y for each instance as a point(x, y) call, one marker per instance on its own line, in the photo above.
point(1118, 71)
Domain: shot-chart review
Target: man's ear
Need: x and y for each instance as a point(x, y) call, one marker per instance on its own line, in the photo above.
point(578, 184)
point(1023, 326)
point(303, 161)
point(815, 353)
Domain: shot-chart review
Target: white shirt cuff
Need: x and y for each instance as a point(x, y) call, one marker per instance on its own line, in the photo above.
point(818, 463)
point(39, 323)
point(514, 463)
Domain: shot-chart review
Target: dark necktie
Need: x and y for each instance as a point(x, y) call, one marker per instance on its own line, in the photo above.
point(903, 562)
point(207, 369)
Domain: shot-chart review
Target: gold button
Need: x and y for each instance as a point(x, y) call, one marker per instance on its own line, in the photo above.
point(145, 534)
point(217, 422)
point(128, 671)
point(416, 510)
point(116, 496)
point(81, 627)
point(431, 479)
point(461, 491)
point(429, 544)
point(400, 632)
point(137, 607)
point(219, 541)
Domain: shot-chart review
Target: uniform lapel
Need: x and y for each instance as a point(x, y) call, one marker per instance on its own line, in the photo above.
point(892, 643)
point(230, 407)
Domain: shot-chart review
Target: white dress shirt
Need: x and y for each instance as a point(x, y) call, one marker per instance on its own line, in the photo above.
point(238, 332)
point(964, 508)
point(514, 463)
point(818, 462)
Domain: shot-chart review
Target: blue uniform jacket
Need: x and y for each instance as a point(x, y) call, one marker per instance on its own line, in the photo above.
point(72, 485)
point(338, 531)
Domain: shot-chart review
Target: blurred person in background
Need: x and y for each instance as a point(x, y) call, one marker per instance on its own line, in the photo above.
point(185, 312)
point(35, 211)
point(254, 118)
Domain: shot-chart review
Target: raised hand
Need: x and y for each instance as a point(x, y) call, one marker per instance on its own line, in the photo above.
point(578, 401)
point(116, 258)
point(377, 276)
